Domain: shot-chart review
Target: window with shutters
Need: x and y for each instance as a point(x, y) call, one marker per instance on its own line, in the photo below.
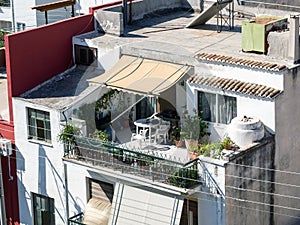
point(100, 190)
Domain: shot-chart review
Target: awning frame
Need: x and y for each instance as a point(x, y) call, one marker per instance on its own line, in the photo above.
point(142, 76)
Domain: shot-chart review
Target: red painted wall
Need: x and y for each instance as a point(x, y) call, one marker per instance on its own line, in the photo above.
point(10, 186)
point(32, 57)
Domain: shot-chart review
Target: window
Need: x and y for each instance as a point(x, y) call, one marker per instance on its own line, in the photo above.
point(39, 125)
point(5, 3)
point(20, 26)
point(43, 209)
point(216, 108)
point(100, 190)
point(85, 55)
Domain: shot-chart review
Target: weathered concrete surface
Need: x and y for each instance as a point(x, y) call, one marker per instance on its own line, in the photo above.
point(292, 5)
point(287, 158)
point(248, 189)
point(109, 22)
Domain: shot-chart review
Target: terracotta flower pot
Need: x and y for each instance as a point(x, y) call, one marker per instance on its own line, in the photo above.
point(178, 143)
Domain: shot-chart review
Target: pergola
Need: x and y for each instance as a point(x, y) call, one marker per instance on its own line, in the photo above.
point(55, 5)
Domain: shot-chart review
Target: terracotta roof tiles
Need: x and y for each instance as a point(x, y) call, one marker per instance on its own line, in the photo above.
point(240, 61)
point(235, 86)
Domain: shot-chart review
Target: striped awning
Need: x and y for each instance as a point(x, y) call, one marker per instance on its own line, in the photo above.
point(142, 76)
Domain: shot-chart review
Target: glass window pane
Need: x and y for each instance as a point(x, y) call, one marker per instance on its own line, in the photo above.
point(207, 106)
point(40, 114)
point(39, 125)
point(43, 207)
point(227, 108)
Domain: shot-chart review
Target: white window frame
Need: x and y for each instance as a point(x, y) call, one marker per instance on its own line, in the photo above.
point(217, 96)
point(34, 129)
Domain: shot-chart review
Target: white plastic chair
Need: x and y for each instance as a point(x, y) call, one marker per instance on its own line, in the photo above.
point(141, 136)
point(164, 122)
point(162, 131)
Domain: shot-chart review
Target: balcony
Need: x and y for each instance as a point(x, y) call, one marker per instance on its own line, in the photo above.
point(93, 152)
point(98, 154)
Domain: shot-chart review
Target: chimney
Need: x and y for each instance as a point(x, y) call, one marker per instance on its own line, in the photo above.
point(294, 51)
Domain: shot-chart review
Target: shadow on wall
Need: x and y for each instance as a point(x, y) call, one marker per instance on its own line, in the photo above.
point(42, 182)
point(24, 199)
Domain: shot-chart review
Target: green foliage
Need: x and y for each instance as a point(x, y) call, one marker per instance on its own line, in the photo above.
point(102, 135)
point(175, 134)
point(185, 177)
point(103, 102)
point(215, 149)
point(2, 33)
point(193, 127)
point(68, 133)
point(226, 143)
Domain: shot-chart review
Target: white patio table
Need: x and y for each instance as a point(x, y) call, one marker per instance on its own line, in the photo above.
point(146, 123)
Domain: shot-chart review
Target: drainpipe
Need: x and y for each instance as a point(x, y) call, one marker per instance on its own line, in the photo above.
point(130, 11)
point(294, 53)
point(13, 15)
point(66, 192)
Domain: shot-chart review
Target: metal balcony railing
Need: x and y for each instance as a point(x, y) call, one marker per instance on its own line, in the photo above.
point(76, 220)
point(98, 154)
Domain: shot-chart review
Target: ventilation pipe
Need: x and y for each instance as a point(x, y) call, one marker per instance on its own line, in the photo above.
point(294, 52)
point(124, 4)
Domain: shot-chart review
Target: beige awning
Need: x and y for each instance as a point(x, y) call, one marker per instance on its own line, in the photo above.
point(140, 75)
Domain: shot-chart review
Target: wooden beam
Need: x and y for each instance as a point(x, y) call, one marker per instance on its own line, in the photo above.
point(54, 5)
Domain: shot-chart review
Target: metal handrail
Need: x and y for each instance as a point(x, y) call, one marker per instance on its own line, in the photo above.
point(134, 162)
point(77, 219)
point(211, 178)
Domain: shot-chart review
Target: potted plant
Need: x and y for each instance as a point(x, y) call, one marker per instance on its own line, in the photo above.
point(67, 136)
point(101, 135)
point(175, 136)
point(193, 128)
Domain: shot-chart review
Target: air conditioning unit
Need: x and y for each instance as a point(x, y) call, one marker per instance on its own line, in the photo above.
point(5, 147)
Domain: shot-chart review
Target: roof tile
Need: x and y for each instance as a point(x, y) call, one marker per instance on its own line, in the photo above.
point(235, 86)
point(240, 61)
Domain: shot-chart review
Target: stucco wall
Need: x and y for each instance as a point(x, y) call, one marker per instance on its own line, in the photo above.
point(245, 74)
point(39, 166)
point(249, 106)
point(29, 61)
point(129, 192)
point(249, 186)
point(108, 55)
point(287, 151)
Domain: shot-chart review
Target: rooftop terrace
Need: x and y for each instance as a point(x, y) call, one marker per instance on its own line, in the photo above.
point(165, 33)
